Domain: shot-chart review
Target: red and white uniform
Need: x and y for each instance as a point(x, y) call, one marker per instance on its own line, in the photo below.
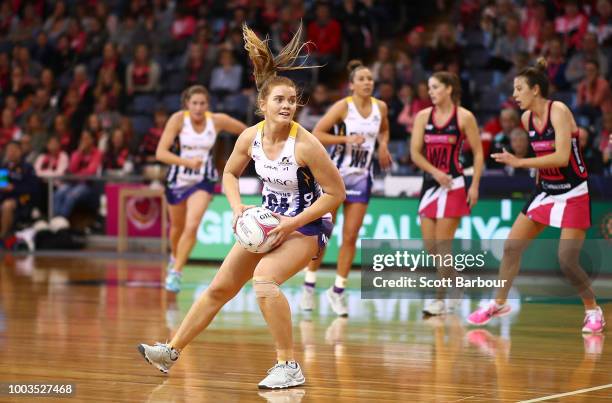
point(561, 198)
point(443, 145)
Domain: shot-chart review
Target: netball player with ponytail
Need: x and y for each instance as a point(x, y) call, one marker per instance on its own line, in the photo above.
point(192, 174)
point(561, 199)
point(361, 122)
point(301, 185)
point(435, 147)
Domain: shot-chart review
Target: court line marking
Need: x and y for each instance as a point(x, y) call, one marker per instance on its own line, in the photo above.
point(576, 392)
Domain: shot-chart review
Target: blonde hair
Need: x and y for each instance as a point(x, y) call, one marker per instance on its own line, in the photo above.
point(266, 65)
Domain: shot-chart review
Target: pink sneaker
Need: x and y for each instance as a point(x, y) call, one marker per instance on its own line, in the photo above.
point(484, 314)
point(594, 321)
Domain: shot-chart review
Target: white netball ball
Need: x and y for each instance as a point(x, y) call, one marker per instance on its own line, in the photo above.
point(253, 228)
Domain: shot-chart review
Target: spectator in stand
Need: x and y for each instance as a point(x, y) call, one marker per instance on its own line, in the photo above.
point(28, 153)
point(73, 110)
point(601, 23)
point(388, 74)
point(509, 45)
point(65, 60)
point(315, 108)
point(519, 146)
point(148, 145)
point(9, 131)
point(29, 23)
point(592, 155)
point(325, 33)
point(509, 120)
point(56, 24)
point(111, 61)
point(47, 81)
point(84, 88)
point(18, 86)
point(109, 86)
point(383, 55)
point(124, 36)
point(117, 157)
point(594, 97)
point(38, 133)
point(572, 25)
point(42, 51)
point(575, 71)
point(225, 81)
point(197, 69)
point(101, 136)
point(415, 46)
point(418, 103)
point(77, 37)
point(142, 74)
point(31, 69)
point(96, 39)
point(386, 93)
point(444, 48)
point(357, 34)
point(207, 48)
point(85, 162)
point(547, 34)
point(408, 71)
point(17, 198)
point(109, 118)
point(282, 30)
point(53, 162)
point(41, 106)
point(533, 18)
point(62, 131)
point(556, 66)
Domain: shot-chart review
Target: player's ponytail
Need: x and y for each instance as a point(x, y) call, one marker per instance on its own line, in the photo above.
point(537, 75)
point(353, 66)
point(266, 65)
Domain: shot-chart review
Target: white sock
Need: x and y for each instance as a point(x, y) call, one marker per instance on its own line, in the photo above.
point(310, 276)
point(340, 282)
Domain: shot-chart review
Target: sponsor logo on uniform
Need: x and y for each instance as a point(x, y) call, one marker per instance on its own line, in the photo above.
point(532, 133)
point(285, 161)
point(272, 167)
point(429, 127)
point(256, 143)
point(452, 127)
point(276, 181)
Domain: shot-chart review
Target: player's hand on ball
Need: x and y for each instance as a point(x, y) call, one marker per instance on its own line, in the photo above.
point(506, 158)
point(281, 232)
point(443, 179)
point(238, 212)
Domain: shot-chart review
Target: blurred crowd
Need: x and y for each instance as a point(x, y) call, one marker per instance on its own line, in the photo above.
point(87, 86)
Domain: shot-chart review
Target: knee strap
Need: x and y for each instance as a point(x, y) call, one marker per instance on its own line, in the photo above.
point(265, 288)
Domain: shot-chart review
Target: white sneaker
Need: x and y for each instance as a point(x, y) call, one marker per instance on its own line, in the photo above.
point(283, 376)
point(337, 302)
point(307, 300)
point(161, 356)
point(434, 307)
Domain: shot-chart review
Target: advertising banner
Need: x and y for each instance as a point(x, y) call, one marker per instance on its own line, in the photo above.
point(392, 218)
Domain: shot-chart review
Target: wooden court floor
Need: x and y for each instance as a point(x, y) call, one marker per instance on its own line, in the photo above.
point(78, 320)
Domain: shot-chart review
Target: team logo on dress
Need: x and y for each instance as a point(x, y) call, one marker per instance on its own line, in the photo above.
point(429, 127)
point(285, 161)
point(451, 127)
point(531, 133)
point(256, 143)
